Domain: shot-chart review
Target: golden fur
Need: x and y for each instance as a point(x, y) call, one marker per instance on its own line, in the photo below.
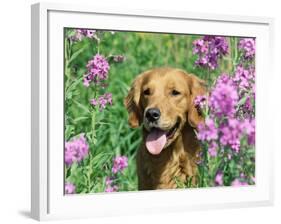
point(178, 158)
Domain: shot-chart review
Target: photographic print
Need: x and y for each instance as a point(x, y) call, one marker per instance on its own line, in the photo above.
point(149, 111)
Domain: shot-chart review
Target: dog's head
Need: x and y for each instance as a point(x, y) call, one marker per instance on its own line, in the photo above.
point(163, 100)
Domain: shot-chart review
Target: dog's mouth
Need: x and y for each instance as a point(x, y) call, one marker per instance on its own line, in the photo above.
point(157, 138)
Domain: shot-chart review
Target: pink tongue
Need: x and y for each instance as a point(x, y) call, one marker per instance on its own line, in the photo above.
point(155, 141)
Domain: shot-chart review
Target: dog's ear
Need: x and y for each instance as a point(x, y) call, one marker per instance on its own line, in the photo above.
point(197, 87)
point(132, 102)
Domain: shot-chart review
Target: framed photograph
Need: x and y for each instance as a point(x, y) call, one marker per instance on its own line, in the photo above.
point(148, 111)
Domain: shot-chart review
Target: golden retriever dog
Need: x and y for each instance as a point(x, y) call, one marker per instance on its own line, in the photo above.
point(162, 99)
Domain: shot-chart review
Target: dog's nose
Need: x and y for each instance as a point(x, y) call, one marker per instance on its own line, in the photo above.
point(152, 114)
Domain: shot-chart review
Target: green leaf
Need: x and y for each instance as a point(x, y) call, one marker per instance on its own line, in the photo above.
point(75, 54)
point(69, 131)
point(80, 119)
point(83, 107)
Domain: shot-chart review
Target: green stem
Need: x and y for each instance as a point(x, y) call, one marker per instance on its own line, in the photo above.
point(66, 65)
point(94, 126)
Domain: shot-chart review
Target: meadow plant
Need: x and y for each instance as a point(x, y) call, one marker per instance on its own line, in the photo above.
point(209, 50)
point(79, 34)
point(69, 188)
point(228, 134)
point(76, 150)
point(94, 81)
point(119, 164)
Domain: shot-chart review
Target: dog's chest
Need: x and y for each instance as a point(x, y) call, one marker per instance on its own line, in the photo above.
point(170, 172)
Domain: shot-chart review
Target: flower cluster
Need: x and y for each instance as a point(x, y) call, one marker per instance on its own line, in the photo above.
point(207, 131)
point(228, 129)
point(69, 188)
point(224, 97)
point(219, 178)
point(76, 150)
point(244, 77)
point(110, 187)
point(97, 70)
point(119, 164)
point(96, 75)
point(238, 183)
point(79, 34)
point(229, 125)
point(248, 48)
point(102, 101)
point(200, 102)
point(209, 50)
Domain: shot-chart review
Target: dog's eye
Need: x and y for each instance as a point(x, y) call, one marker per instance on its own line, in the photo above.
point(175, 93)
point(146, 92)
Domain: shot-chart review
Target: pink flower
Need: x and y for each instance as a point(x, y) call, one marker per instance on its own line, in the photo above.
point(86, 82)
point(213, 146)
point(200, 102)
point(113, 188)
point(108, 181)
point(82, 33)
point(94, 102)
point(207, 131)
point(238, 183)
point(109, 185)
point(97, 70)
point(231, 132)
point(119, 164)
point(249, 128)
point(219, 178)
point(209, 50)
point(248, 46)
point(69, 188)
point(224, 97)
point(76, 150)
point(102, 101)
point(244, 77)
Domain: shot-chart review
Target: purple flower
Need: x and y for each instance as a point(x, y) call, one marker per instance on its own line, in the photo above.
point(213, 147)
point(108, 181)
point(248, 106)
point(248, 47)
point(244, 77)
point(219, 178)
point(113, 188)
point(238, 183)
point(209, 50)
point(94, 102)
point(97, 70)
point(200, 46)
point(200, 102)
point(224, 97)
point(207, 131)
point(102, 101)
point(69, 188)
point(249, 129)
point(231, 131)
point(79, 34)
point(90, 33)
point(76, 150)
point(119, 164)
point(109, 187)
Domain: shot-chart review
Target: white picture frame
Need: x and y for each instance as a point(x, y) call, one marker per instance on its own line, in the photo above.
point(47, 198)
